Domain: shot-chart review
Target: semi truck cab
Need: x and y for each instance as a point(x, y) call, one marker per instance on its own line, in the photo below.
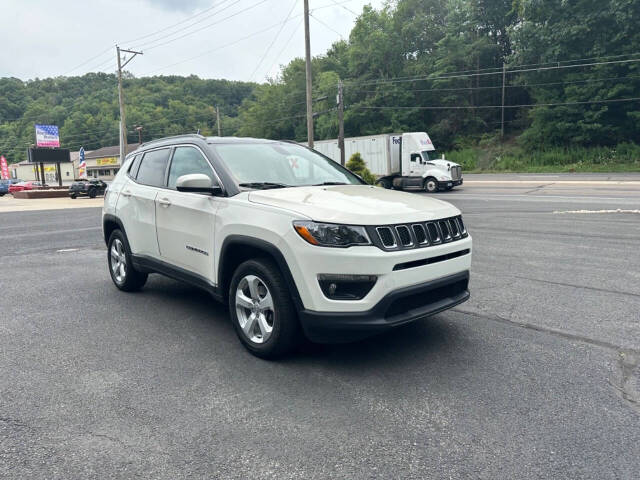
point(415, 165)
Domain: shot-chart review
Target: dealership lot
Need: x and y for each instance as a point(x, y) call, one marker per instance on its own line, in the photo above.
point(537, 376)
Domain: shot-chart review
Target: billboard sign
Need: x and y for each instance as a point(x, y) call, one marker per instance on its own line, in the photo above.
point(4, 168)
point(48, 155)
point(47, 136)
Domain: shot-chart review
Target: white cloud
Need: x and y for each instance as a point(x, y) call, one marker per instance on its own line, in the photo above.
point(48, 39)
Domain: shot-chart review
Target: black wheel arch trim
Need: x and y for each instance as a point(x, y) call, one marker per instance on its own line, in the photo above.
point(267, 247)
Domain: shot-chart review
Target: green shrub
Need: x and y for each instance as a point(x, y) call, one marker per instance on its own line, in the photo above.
point(356, 165)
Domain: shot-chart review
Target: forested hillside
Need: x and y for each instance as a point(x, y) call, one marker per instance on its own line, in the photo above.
point(572, 67)
point(571, 80)
point(86, 109)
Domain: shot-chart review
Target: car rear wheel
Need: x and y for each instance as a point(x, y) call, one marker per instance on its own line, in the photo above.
point(261, 309)
point(430, 185)
point(73, 196)
point(92, 193)
point(123, 274)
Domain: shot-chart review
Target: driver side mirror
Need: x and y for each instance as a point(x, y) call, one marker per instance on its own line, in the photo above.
point(198, 183)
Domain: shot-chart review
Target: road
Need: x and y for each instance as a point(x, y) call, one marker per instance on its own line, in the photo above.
point(537, 376)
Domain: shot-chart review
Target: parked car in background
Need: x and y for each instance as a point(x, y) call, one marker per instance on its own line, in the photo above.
point(20, 186)
point(91, 188)
point(5, 184)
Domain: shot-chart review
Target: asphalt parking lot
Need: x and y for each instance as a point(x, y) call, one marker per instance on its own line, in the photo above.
point(537, 376)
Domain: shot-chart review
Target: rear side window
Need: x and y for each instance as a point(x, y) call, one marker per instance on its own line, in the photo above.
point(153, 167)
point(133, 168)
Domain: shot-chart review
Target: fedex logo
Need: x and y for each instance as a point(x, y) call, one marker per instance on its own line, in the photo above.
point(396, 140)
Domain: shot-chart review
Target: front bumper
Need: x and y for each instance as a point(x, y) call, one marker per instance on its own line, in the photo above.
point(396, 308)
point(449, 183)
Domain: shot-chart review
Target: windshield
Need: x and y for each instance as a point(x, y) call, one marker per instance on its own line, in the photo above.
point(430, 155)
point(281, 164)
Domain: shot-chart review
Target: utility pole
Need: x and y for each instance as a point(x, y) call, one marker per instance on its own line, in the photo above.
point(218, 121)
point(504, 72)
point(123, 121)
point(307, 51)
point(139, 130)
point(341, 121)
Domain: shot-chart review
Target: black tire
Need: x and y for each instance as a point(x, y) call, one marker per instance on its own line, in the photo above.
point(430, 185)
point(385, 183)
point(132, 280)
point(285, 333)
point(73, 196)
point(92, 193)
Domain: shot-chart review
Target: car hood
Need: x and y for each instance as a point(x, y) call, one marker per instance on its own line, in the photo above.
point(355, 204)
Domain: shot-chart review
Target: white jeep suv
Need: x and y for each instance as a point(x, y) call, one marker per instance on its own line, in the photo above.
point(293, 242)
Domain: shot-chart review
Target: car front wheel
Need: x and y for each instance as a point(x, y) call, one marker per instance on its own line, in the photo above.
point(123, 274)
point(261, 309)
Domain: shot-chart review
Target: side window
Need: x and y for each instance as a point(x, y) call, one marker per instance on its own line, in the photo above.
point(153, 167)
point(187, 160)
point(415, 157)
point(133, 168)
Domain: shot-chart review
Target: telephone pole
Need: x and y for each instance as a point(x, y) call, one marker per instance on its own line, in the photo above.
point(218, 121)
point(341, 121)
point(123, 121)
point(307, 49)
point(504, 71)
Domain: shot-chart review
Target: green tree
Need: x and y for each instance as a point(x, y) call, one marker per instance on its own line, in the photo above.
point(356, 165)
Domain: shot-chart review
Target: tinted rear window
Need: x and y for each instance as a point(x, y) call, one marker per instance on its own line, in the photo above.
point(153, 167)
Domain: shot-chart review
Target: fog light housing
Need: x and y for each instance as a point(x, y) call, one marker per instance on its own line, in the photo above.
point(346, 287)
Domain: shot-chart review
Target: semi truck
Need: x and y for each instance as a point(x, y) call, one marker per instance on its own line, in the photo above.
point(399, 160)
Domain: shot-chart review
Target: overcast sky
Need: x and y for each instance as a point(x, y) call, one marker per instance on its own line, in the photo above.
point(45, 38)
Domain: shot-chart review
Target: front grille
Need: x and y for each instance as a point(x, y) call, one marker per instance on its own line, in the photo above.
point(386, 237)
point(456, 173)
point(418, 235)
point(404, 235)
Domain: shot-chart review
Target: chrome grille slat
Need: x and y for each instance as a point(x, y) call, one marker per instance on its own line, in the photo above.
point(406, 236)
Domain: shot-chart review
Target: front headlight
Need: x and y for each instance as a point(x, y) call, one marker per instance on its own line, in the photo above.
point(332, 234)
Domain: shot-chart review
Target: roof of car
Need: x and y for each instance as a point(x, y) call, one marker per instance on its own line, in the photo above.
point(217, 140)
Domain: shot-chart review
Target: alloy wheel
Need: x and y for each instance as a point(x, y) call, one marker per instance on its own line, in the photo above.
point(254, 309)
point(118, 261)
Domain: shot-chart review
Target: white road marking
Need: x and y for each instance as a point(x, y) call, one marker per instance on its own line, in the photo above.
point(617, 210)
point(63, 250)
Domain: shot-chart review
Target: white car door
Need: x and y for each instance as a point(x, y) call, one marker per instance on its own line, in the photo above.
point(185, 220)
point(136, 205)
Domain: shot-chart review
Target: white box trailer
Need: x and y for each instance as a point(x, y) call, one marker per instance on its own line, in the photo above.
point(399, 160)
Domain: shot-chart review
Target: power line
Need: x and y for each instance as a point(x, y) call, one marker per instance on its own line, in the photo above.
point(89, 60)
point(461, 107)
point(522, 85)
point(169, 27)
point(220, 47)
point(285, 46)
point(293, 5)
point(346, 8)
point(208, 25)
point(499, 69)
point(521, 70)
point(326, 26)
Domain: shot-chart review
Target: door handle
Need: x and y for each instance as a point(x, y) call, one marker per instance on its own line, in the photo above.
point(126, 193)
point(164, 201)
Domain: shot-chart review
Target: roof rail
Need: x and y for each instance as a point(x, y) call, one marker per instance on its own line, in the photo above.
point(196, 135)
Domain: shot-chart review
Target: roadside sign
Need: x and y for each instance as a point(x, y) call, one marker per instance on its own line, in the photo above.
point(47, 136)
point(4, 168)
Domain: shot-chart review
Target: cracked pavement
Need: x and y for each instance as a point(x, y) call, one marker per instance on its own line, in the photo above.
point(537, 376)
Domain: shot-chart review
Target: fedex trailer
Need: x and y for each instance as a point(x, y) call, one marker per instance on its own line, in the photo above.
point(400, 161)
